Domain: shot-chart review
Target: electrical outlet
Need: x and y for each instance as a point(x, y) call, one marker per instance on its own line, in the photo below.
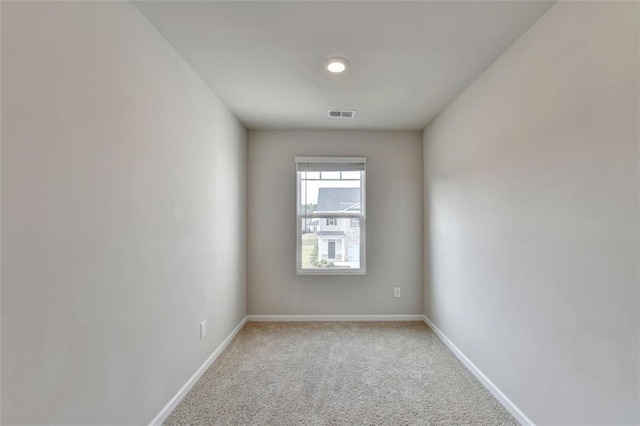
point(396, 292)
point(203, 329)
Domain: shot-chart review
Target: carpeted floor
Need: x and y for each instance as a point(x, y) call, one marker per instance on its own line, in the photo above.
point(338, 373)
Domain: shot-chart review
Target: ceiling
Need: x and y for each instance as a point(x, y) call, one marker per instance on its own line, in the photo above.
point(408, 60)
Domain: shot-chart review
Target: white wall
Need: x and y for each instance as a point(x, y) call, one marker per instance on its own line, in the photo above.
point(123, 216)
point(394, 225)
point(531, 183)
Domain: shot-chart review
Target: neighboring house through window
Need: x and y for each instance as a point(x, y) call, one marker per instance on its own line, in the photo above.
point(331, 215)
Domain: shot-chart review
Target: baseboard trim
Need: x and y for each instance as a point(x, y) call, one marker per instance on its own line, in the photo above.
point(173, 402)
point(486, 382)
point(294, 318)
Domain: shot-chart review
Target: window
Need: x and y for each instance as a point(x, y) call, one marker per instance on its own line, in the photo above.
point(330, 215)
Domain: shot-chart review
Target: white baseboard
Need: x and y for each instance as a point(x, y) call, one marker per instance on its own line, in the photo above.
point(491, 387)
point(173, 402)
point(293, 318)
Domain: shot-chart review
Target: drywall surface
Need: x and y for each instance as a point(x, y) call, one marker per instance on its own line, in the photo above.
point(394, 225)
point(123, 186)
point(531, 189)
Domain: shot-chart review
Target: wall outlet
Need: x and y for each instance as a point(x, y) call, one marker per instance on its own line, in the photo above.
point(203, 329)
point(396, 292)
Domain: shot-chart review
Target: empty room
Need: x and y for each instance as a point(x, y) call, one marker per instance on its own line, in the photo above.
point(320, 212)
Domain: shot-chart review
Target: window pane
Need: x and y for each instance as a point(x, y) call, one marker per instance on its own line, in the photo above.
point(312, 175)
point(330, 175)
point(329, 195)
point(330, 243)
point(350, 175)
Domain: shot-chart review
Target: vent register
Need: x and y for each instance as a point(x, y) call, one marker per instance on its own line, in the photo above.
point(341, 113)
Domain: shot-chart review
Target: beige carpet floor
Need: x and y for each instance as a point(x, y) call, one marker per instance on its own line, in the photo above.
point(338, 373)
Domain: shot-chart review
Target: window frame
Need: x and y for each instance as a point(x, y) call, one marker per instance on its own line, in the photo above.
point(361, 215)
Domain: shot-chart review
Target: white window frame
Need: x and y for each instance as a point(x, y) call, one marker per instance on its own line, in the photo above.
point(322, 215)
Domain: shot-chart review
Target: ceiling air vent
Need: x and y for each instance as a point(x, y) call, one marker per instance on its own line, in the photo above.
point(341, 113)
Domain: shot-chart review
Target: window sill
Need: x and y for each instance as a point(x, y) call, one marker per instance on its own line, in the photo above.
point(330, 272)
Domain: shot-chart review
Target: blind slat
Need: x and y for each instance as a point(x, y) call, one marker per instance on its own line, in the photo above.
point(329, 167)
point(330, 164)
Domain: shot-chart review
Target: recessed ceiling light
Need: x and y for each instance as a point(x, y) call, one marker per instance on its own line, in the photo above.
point(336, 65)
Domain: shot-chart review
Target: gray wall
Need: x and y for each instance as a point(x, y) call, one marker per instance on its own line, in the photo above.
point(531, 188)
point(123, 217)
point(394, 225)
